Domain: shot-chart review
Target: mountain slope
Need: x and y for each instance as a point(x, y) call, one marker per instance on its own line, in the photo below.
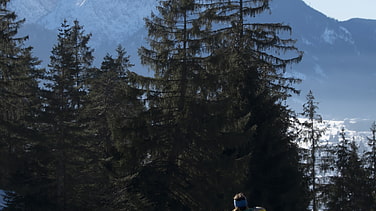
point(339, 63)
point(110, 19)
point(339, 59)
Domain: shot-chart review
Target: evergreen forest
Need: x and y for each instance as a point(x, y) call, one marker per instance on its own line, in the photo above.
point(212, 121)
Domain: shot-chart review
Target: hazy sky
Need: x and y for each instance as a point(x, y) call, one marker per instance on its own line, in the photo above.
point(345, 9)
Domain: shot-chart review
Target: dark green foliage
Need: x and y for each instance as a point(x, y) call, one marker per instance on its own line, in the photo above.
point(370, 164)
point(17, 81)
point(188, 114)
point(219, 92)
point(254, 82)
point(64, 97)
point(20, 161)
point(348, 190)
point(211, 122)
point(311, 134)
point(274, 166)
point(113, 115)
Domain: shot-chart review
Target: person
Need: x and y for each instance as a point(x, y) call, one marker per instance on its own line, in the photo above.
point(241, 203)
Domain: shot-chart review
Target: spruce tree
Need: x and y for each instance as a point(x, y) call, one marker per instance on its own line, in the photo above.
point(253, 77)
point(189, 114)
point(217, 97)
point(20, 143)
point(15, 78)
point(348, 190)
point(311, 134)
point(113, 115)
point(108, 98)
point(64, 95)
point(370, 161)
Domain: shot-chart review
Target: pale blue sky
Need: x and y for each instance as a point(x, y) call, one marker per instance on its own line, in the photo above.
point(345, 9)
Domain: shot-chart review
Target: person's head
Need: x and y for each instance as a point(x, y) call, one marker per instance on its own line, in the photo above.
point(240, 202)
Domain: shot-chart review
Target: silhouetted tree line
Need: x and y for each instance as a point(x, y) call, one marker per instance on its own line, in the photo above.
point(211, 122)
point(340, 176)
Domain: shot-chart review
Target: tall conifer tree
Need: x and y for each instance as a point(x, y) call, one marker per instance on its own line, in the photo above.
point(311, 134)
point(348, 190)
point(113, 115)
point(218, 89)
point(108, 98)
point(253, 77)
point(189, 120)
point(370, 161)
point(19, 105)
point(18, 79)
point(65, 92)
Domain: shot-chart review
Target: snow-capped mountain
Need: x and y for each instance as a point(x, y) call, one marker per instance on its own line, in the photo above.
point(358, 130)
point(339, 63)
point(111, 22)
point(110, 19)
